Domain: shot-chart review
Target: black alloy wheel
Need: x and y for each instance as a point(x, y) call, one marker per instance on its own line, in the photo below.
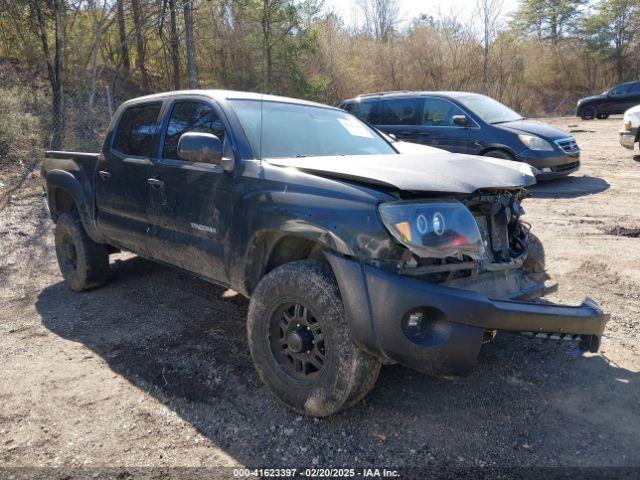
point(297, 341)
point(301, 343)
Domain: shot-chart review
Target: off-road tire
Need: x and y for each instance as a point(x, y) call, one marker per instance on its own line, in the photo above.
point(348, 373)
point(498, 154)
point(84, 264)
point(589, 113)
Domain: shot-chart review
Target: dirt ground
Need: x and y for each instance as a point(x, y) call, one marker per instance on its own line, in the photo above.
point(153, 369)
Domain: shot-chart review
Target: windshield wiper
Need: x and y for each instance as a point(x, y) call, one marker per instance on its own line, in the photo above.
point(507, 121)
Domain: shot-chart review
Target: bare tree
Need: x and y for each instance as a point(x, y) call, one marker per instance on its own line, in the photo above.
point(381, 17)
point(277, 18)
point(192, 71)
point(122, 36)
point(54, 68)
point(175, 44)
point(489, 12)
point(140, 51)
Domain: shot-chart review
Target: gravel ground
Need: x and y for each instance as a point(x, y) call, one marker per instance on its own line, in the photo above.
point(153, 369)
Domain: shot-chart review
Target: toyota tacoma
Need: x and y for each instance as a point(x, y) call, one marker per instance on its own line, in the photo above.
point(353, 254)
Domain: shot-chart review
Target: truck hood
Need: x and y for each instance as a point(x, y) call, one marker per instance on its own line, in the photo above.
point(532, 127)
point(419, 172)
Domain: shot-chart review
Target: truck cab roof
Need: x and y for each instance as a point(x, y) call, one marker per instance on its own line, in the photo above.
point(217, 94)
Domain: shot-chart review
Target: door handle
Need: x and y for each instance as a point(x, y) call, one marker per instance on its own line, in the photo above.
point(155, 182)
point(425, 134)
point(104, 175)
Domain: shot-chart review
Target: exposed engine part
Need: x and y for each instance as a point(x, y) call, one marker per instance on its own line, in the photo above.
point(504, 235)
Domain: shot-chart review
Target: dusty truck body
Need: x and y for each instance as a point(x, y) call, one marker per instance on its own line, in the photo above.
point(352, 254)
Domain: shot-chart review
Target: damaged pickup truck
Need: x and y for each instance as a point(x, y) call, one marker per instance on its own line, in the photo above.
point(352, 253)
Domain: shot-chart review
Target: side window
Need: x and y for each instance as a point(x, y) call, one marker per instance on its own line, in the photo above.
point(439, 113)
point(362, 109)
point(635, 88)
point(619, 90)
point(400, 111)
point(190, 116)
point(137, 129)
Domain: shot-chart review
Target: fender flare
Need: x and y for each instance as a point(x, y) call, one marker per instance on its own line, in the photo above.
point(61, 179)
point(264, 241)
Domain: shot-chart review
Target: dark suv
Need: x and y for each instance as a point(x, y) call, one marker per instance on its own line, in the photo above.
point(615, 101)
point(469, 123)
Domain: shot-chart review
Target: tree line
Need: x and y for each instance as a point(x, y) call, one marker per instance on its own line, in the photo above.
point(538, 60)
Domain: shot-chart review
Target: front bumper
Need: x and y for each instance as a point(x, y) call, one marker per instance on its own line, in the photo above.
point(553, 164)
point(628, 138)
point(379, 304)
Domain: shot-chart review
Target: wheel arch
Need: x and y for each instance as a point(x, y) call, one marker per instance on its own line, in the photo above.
point(582, 108)
point(270, 249)
point(500, 147)
point(63, 194)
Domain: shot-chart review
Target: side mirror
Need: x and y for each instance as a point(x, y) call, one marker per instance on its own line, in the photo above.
point(460, 120)
point(202, 147)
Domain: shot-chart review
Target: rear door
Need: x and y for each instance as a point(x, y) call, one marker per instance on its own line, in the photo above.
point(439, 130)
point(400, 116)
point(190, 203)
point(122, 174)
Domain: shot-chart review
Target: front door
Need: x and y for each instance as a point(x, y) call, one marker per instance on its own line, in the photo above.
point(190, 203)
point(439, 130)
point(121, 177)
point(620, 99)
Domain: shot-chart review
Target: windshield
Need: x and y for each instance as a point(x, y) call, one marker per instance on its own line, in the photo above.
point(488, 109)
point(278, 130)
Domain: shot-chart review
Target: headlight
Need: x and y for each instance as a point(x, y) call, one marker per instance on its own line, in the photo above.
point(434, 228)
point(535, 143)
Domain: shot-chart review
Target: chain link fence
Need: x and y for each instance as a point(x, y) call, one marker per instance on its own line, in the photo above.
point(83, 120)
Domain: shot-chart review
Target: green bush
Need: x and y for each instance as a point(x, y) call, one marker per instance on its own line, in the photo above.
point(20, 127)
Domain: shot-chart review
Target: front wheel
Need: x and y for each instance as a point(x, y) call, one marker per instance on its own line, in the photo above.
point(589, 113)
point(301, 344)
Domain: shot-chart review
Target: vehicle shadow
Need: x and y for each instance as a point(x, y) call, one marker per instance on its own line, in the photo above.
point(178, 339)
point(569, 187)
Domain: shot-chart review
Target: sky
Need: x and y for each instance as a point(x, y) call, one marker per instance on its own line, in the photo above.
point(462, 9)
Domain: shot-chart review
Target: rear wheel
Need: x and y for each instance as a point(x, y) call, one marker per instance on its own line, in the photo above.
point(84, 264)
point(589, 113)
point(301, 344)
point(498, 154)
